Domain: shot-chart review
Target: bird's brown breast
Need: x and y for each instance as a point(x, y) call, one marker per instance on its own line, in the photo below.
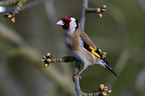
point(74, 42)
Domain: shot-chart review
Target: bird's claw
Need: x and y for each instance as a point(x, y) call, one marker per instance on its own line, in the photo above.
point(77, 76)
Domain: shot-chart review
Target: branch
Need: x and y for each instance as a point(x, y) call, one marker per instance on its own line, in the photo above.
point(103, 90)
point(83, 16)
point(50, 59)
point(5, 3)
point(90, 10)
point(142, 4)
point(11, 14)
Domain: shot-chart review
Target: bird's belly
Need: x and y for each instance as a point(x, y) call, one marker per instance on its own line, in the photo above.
point(83, 55)
point(79, 52)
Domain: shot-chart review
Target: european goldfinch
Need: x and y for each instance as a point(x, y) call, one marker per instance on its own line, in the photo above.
point(80, 45)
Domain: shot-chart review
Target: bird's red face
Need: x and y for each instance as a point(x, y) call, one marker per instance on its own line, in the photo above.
point(69, 24)
point(64, 22)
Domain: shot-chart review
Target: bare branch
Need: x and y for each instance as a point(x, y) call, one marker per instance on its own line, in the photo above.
point(5, 3)
point(83, 16)
point(11, 14)
point(142, 4)
point(50, 59)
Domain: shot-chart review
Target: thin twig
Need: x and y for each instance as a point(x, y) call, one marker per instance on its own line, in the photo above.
point(5, 3)
point(142, 4)
point(11, 14)
point(83, 16)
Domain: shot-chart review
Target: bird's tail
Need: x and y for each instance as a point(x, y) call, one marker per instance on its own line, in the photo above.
point(106, 65)
point(109, 68)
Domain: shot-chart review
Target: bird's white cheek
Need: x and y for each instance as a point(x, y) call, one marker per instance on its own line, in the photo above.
point(69, 31)
point(72, 30)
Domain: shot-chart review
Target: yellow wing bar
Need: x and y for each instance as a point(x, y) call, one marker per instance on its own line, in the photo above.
point(93, 51)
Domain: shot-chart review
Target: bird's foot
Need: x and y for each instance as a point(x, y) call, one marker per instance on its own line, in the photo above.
point(77, 76)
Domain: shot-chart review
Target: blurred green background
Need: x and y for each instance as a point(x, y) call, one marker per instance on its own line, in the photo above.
point(120, 33)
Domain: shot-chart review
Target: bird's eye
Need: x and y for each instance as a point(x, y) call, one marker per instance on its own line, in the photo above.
point(66, 21)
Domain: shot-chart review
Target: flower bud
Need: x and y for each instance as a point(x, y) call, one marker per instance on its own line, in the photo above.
point(49, 60)
point(104, 94)
point(43, 60)
point(45, 65)
point(104, 6)
point(109, 91)
point(48, 54)
point(105, 88)
point(100, 15)
point(101, 87)
point(103, 10)
point(44, 57)
point(13, 19)
point(98, 10)
point(10, 16)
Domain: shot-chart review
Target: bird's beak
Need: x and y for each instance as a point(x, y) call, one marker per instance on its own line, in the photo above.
point(60, 22)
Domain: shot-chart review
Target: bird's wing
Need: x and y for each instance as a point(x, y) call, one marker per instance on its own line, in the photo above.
point(89, 45)
point(90, 48)
point(85, 38)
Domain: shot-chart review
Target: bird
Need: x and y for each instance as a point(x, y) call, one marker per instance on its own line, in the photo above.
point(80, 45)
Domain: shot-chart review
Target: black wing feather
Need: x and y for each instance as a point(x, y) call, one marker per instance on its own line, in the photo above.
point(97, 51)
point(86, 46)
